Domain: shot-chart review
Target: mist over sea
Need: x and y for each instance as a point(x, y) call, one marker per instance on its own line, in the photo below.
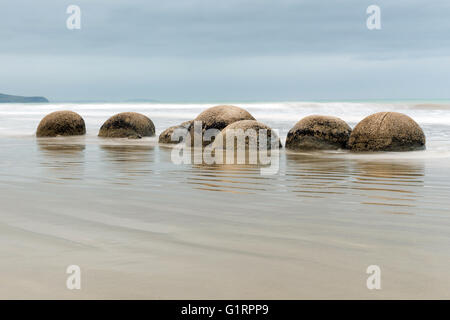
point(141, 226)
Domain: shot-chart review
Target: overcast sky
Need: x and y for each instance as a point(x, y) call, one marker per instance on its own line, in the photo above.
point(211, 50)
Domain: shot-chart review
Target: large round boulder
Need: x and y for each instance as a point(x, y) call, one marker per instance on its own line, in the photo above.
point(218, 118)
point(166, 135)
point(247, 134)
point(61, 123)
point(318, 133)
point(127, 125)
point(387, 131)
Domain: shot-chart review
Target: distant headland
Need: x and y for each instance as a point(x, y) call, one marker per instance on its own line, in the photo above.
point(6, 98)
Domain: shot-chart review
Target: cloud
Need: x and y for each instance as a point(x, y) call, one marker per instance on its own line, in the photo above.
point(140, 44)
point(211, 28)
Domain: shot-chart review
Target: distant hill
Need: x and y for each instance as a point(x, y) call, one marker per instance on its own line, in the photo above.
point(6, 98)
point(141, 100)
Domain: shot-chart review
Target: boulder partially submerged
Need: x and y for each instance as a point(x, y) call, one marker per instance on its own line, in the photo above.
point(127, 125)
point(318, 133)
point(248, 135)
point(61, 123)
point(181, 130)
point(387, 131)
point(217, 118)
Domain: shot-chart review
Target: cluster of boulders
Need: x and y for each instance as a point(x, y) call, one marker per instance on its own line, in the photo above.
point(218, 118)
point(123, 125)
point(384, 131)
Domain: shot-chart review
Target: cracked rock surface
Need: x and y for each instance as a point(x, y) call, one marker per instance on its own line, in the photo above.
point(387, 131)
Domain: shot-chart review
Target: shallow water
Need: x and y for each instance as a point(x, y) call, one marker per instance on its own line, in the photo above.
point(140, 226)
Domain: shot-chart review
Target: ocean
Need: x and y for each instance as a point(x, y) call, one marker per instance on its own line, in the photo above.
point(140, 226)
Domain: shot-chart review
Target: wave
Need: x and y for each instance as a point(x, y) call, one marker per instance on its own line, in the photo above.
point(434, 117)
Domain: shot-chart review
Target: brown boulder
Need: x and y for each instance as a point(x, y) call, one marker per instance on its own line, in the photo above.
point(318, 133)
point(166, 135)
point(218, 117)
point(127, 125)
point(61, 123)
point(387, 131)
point(246, 133)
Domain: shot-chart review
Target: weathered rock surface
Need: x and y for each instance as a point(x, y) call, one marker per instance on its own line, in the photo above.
point(387, 131)
point(218, 118)
point(166, 135)
point(61, 123)
point(245, 134)
point(318, 133)
point(127, 125)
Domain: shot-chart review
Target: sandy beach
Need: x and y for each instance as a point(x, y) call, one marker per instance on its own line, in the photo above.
point(141, 227)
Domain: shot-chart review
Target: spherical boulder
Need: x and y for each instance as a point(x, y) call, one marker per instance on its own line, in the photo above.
point(218, 118)
point(318, 133)
point(387, 131)
point(127, 125)
point(246, 134)
point(166, 135)
point(61, 123)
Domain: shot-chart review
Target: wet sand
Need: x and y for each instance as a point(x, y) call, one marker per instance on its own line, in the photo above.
point(142, 227)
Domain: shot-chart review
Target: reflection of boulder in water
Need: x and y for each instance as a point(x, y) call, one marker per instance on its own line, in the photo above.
point(319, 169)
point(232, 165)
point(317, 176)
point(60, 149)
point(401, 171)
point(231, 178)
point(64, 159)
point(389, 184)
point(218, 157)
point(127, 162)
point(315, 163)
point(127, 153)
